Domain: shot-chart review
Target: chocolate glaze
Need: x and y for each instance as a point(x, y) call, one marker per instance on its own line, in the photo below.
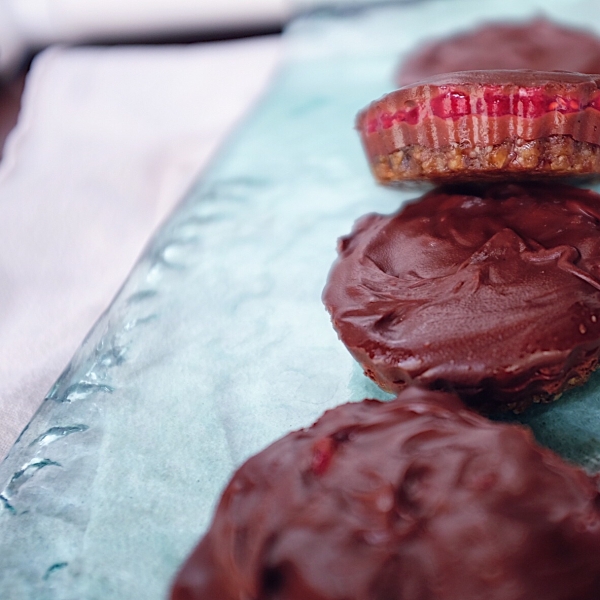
point(495, 294)
point(539, 44)
point(417, 498)
point(381, 136)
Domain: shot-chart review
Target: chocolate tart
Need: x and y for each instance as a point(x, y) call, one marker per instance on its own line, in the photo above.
point(415, 498)
point(478, 125)
point(538, 44)
point(493, 293)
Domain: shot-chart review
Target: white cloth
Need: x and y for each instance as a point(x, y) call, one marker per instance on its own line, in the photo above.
point(107, 142)
point(37, 23)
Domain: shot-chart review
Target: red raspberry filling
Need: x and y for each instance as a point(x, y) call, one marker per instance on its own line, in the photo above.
point(453, 104)
point(323, 450)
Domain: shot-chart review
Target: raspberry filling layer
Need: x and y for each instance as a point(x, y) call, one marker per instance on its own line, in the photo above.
point(529, 103)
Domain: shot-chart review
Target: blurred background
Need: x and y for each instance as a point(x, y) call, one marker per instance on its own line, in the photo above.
point(109, 109)
point(28, 26)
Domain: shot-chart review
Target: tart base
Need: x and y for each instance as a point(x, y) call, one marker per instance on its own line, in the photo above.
point(555, 155)
point(490, 400)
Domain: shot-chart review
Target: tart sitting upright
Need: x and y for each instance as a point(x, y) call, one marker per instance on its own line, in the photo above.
point(414, 499)
point(493, 293)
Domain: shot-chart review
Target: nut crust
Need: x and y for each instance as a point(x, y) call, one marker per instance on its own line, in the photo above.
point(556, 155)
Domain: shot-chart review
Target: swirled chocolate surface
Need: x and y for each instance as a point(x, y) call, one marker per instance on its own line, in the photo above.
point(493, 293)
point(415, 498)
point(539, 44)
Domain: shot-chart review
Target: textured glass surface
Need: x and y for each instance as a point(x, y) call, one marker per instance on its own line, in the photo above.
point(218, 342)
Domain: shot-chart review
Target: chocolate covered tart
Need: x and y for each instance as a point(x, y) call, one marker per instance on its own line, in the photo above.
point(538, 44)
point(478, 125)
point(494, 294)
point(417, 498)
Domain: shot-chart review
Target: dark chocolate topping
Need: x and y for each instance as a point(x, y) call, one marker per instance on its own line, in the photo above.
point(538, 44)
point(493, 293)
point(416, 498)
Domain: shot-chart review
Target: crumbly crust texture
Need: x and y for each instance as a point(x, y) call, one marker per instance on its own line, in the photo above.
point(485, 125)
point(554, 156)
point(486, 403)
